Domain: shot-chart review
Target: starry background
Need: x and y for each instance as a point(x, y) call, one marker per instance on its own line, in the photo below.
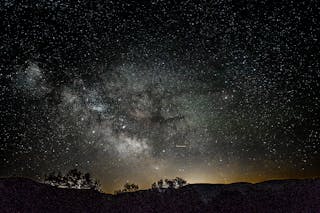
point(211, 91)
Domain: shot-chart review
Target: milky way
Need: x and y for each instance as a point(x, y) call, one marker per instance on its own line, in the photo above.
point(212, 91)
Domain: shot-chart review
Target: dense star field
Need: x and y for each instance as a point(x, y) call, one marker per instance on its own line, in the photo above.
point(211, 91)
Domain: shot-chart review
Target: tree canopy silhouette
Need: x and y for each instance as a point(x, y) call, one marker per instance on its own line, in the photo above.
point(128, 187)
point(169, 184)
point(73, 179)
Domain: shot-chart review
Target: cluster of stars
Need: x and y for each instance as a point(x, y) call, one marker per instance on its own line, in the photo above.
point(212, 91)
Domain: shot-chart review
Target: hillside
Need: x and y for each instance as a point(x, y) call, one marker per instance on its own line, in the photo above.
point(24, 195)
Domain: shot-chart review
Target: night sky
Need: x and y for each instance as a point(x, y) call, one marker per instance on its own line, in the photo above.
point(211, 91)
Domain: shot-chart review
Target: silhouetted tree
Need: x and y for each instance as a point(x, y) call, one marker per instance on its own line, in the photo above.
point(131, 187)
point(169, 184)
point(128, 187)
point(160, 184)
point(73, 179)
point(180, 182)
point(154, 186)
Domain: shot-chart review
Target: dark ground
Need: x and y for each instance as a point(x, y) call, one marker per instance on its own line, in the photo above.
point(24, 195)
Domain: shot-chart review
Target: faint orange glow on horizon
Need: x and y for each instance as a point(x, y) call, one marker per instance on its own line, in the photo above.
point(200, 174)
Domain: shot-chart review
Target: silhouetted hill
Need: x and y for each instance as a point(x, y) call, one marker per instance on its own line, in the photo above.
point(24, 195)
